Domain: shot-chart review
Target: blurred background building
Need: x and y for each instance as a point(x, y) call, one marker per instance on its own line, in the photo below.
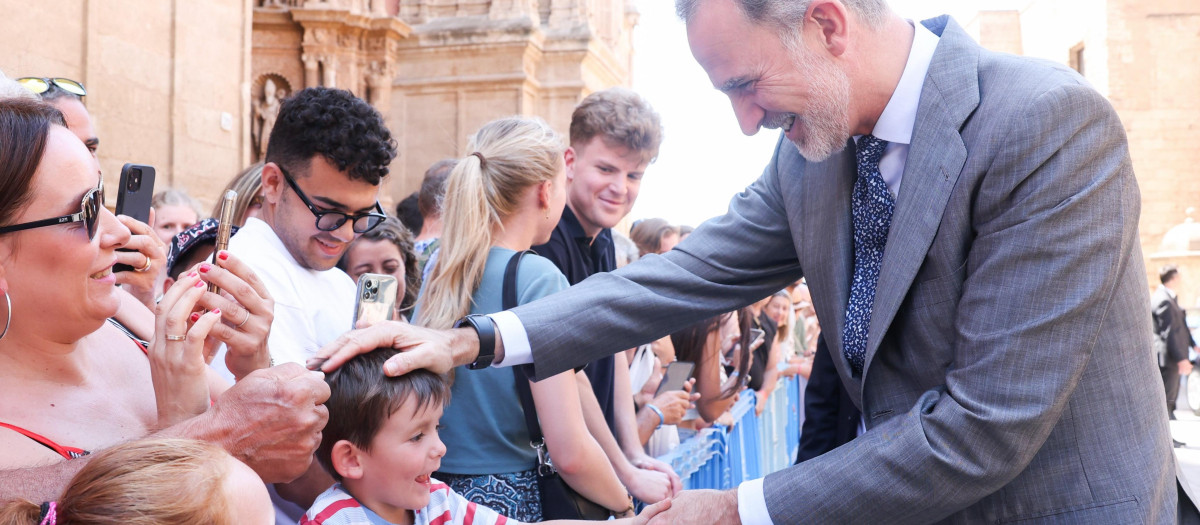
point(192, 88)
point(1139, 54)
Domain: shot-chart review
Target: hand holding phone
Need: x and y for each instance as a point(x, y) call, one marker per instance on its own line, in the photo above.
point(376, 298)
point(677, 375)
point(224, 230)
point(134, 193)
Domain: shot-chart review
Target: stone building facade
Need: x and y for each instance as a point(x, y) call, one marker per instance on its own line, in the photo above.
point(1135, 52)
point(192, 87)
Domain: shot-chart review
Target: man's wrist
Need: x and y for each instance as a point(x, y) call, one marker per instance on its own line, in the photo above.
point(466, 348)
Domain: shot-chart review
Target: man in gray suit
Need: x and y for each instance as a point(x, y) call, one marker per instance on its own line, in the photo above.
point(1172, 339)
point(967, 223)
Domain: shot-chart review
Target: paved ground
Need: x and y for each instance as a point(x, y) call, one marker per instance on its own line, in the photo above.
point(1186, 428)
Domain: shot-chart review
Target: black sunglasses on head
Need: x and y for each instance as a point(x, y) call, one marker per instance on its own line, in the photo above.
point(89, 211)
point(328, 221)
point(39, 85)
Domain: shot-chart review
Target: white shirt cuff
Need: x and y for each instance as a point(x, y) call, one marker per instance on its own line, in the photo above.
point(515, 340)
point(752, 503)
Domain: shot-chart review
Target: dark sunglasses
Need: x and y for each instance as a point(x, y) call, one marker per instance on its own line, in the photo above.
point(328, 221)
point(89, 211)
point(39, 85)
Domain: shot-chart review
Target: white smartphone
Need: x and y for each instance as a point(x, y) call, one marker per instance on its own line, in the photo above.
point(376, 298)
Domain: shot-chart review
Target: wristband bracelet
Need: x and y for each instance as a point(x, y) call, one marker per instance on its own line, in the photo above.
point(661, 419)
point(486, 331)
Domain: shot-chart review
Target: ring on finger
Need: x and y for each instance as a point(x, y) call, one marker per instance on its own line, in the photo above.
point(176, 337)
point(239, 325)
point(146, 267)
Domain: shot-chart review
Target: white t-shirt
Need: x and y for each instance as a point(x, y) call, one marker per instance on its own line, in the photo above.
point(312, 307)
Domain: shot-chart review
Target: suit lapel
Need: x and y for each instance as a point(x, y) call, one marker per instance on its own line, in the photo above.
point(829, 249)
point(935, 159)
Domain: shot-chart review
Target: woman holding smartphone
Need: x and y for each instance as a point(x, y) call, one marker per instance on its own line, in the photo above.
point(503, 198)
point(73, 379)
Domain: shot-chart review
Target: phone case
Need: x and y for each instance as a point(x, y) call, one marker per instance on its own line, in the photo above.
point(376, 298)
point(134, 193)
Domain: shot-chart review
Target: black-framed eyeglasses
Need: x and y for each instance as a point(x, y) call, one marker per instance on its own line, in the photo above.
point(39, 85)
point(89, 211)
point(328, 221)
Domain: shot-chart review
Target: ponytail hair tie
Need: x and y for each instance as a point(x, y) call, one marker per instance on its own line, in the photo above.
point(49, 515)
point(482, 161)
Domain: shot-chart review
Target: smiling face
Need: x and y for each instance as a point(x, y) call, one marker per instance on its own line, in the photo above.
point(54, 274)
point(603, 183)
point(392, 479)
point(329, 190)
point(802, 91)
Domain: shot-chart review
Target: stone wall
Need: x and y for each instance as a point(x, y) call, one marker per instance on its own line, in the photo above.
point(167, 81)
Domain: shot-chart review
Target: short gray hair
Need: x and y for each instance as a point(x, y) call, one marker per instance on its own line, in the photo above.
point(788, 15)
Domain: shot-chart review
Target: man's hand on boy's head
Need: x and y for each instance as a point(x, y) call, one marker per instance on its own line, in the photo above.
point(436, 350)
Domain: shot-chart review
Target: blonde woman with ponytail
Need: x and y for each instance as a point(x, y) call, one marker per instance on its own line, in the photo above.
point(504, 197)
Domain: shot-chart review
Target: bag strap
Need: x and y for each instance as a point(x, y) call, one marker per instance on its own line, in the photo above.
point(520, 378)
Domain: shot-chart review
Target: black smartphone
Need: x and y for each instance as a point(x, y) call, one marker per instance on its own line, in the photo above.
point(677, 375)
point(134, 193)
point(376, 298)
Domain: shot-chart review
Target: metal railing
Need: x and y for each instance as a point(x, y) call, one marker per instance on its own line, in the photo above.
point(722, 457)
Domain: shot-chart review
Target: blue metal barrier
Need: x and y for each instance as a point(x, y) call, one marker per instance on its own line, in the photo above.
point(721, 458)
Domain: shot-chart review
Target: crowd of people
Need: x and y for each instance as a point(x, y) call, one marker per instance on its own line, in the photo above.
point(288, 280)
point(152, 375)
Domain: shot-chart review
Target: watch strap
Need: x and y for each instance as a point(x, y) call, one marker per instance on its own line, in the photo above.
point(486, 330)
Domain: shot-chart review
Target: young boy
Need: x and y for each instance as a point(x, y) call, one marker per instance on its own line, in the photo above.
point(382, 446)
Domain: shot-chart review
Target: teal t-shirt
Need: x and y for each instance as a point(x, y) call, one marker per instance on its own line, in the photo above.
point(483, 427)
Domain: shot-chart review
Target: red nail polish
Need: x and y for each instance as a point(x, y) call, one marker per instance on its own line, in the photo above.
point(195, 317)
point(205, 267)
point(199, 284)
point(223, 255)
point(216, 311)
point(193, 274)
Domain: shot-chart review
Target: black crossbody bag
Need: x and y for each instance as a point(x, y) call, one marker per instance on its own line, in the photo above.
point(559, 500)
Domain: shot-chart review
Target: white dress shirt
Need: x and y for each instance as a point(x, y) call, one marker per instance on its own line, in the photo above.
point(895, 125)
point(312, 307)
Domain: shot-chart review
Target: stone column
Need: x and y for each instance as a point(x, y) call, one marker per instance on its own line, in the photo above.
point(310, 71)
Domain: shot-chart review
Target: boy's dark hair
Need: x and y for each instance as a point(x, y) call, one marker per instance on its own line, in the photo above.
point(337, 125)
point(361, 399)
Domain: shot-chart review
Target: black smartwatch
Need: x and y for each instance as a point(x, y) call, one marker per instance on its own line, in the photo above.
point(486, 331)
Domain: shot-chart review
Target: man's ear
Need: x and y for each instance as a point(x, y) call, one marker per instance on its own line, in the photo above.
point(346, 460)
point(272, 183)
point(569, 159)
point(829, 17)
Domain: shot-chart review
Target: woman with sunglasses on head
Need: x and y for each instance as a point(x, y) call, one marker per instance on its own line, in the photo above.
point(502, 199)
point(73, 380)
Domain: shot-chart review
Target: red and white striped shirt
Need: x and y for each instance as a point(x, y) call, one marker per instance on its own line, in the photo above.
point(337, 507)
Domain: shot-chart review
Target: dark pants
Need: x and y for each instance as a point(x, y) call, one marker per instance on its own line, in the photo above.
point(1170, 375)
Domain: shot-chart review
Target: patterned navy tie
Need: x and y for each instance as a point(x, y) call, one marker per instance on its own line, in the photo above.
point(872, 206)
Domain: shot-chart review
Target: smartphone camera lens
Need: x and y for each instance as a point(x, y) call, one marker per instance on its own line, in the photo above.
point(135, 180)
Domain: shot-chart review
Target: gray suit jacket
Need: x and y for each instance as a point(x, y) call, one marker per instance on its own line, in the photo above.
point(1007, 373)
